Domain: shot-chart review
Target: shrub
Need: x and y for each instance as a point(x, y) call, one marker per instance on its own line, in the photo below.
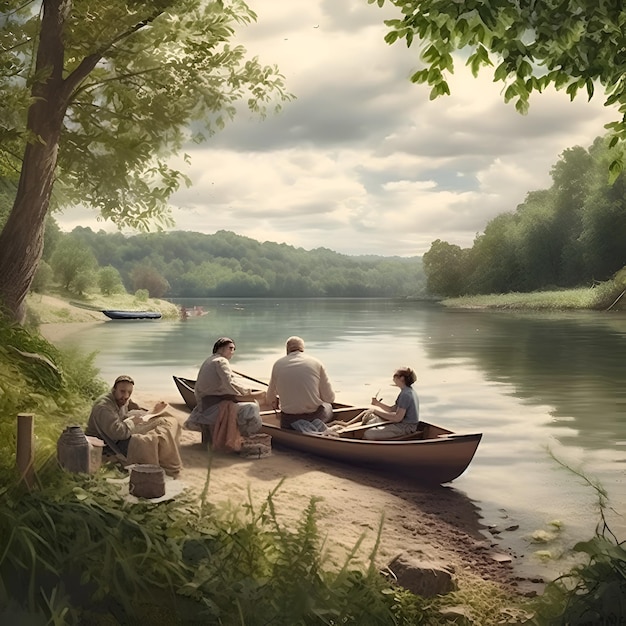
point(43, 277)
point(110, 281)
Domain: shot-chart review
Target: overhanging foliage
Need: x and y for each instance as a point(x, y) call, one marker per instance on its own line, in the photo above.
point(134, 76)
point(573, 45)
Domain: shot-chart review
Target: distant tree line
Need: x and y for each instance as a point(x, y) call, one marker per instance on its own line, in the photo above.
point(189, 264)
point(569, 235)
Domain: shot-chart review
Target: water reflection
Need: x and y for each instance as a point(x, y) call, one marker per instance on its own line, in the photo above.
point(574, 363)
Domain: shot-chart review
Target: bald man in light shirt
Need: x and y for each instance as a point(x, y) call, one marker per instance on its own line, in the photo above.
point(300, 387)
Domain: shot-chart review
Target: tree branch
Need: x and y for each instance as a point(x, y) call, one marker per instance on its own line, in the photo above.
point(113, 79)
point(87, 65)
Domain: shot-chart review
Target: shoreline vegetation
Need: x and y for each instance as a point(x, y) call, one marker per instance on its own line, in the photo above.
point(275, 554)
point(60, 308)
point(603, 297)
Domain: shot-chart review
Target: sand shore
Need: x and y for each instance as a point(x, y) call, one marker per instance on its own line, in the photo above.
point(439, 524)
point(56, 332)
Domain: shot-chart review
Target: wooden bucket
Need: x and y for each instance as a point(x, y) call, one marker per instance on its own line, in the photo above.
point(147, 481)
point(256, 446)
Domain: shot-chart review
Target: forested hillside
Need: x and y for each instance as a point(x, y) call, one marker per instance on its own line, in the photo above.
point(569, 235)
point(188, 264)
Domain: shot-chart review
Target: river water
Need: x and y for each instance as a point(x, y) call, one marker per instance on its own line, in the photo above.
point(545, 389)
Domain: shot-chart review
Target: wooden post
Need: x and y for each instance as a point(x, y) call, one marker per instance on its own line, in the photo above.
point(25, 453)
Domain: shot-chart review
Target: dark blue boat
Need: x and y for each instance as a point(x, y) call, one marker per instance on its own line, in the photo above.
point(132, 315)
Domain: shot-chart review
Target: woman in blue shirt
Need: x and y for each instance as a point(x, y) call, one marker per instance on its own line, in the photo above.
point(403, 417)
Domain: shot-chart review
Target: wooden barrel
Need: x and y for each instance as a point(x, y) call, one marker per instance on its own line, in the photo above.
point(256, 446)
point(147, 481)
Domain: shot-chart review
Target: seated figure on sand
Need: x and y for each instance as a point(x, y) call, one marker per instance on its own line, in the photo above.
point(140, 436)
point(216, 391)
point(300, 387)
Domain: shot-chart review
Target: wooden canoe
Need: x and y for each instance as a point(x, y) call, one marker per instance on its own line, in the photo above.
point(434, 455)
point(132, 315)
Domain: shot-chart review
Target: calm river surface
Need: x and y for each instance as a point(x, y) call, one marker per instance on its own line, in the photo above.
point(537, 385)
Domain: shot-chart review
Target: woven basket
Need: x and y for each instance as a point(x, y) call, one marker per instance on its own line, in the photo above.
point(256, 446)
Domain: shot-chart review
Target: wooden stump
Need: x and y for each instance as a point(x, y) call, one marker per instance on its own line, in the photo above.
point(25, 453)
point(147, 481)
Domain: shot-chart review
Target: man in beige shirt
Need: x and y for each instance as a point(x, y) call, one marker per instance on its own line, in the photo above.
point(215, 384)
point(299, 386)
point(139, 435)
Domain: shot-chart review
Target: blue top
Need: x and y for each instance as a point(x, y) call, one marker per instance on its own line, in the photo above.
point(407, 399)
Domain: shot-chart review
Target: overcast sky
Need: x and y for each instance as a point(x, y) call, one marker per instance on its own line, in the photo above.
point(362, 162)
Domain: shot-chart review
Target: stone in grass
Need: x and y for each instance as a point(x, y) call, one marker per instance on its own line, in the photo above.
point(423, 578)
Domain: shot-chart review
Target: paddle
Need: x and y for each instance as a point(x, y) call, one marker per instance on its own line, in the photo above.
point(355, 428)
point(254, 380)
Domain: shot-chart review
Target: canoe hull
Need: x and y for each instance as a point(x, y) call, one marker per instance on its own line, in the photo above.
point(132, 315)
point(432, 460)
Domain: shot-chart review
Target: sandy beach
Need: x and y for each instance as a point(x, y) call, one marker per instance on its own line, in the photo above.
point(438, 524)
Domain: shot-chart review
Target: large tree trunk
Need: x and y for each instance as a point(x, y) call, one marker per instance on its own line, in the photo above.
point(21, 240)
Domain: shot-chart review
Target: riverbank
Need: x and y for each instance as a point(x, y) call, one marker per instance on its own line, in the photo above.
point(438, 525)
point(52, 309)
point(603, 297)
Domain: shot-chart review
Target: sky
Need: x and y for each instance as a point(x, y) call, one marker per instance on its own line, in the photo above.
point(362, 162)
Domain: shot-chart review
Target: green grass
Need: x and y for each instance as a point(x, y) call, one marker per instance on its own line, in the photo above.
point(600, 297)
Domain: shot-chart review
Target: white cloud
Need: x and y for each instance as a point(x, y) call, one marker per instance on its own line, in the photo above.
point(362, 162)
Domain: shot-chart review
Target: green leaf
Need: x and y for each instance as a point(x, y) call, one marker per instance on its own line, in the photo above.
point(391, 37)
point(510, 92)
point(572, 89)
point(615, 169)
point(501, 72)
point(421, 76)
point(552, 43)
point(522, 106)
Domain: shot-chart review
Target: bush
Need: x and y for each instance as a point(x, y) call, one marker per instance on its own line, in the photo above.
point(83, 282)
point(110, 281)
point(593, 592)
point(142, 295)
point(43, 277)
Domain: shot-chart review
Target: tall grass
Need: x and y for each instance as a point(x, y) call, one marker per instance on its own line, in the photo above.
point(76, 552)
point(599, 297)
